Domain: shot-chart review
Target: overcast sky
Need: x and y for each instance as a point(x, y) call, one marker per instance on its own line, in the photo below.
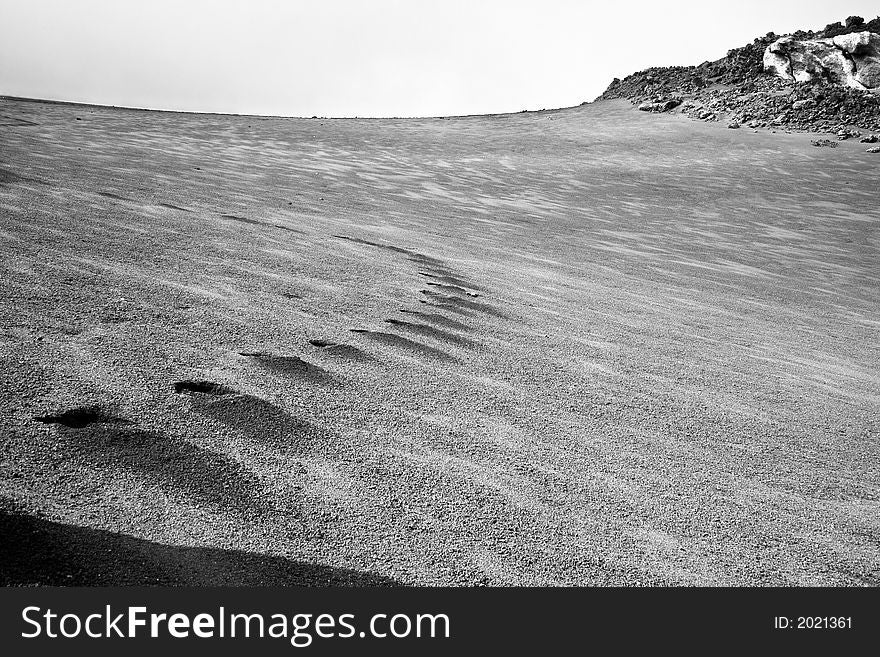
point(369, 57)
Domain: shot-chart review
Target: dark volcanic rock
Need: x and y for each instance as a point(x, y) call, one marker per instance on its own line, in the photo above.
point(737, 88)
point(660, 105)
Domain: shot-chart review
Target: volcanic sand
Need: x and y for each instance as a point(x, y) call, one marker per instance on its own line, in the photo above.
point(584, 346)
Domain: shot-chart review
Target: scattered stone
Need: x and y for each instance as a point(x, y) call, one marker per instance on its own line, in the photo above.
point(844, 134)
point(733, 126)
point(827, 143)
point(873, 149)
point(870, 139)
point(660, 105)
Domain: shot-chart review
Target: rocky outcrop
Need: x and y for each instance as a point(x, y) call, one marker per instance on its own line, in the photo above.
point(852, 60)
point(830, 84)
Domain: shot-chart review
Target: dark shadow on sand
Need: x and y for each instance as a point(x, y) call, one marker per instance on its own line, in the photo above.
point(450, 278)
point(393, 340)
point(451, 301)
point(243, 220)
point(8, 177)
point(177, 465)
point(42, 552)
point(171, 206)
point(115, 197)
point(340, 350)
point(437, 318)
point(290, 366)
point(261, 421)
point(431, 331)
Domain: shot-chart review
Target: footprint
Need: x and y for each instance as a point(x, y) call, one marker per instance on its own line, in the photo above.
point(171, 206)
point(387, 247)
point(428, 261)
point(263, 421)
point(448, 301)
point(77, 418)
point(290, 230)
point(437, 318)
point(202, 388)
point(256, 418)
point(393, 340)
point(244, 220)
point(340, 350)
point(450, 307)
point(357, 240)
point(14, 121)
point(453, 288)
point(8, 177)
point(437, 300)
point(117, 197)
point(289, 366)
point(432, 331)
point(414, 256)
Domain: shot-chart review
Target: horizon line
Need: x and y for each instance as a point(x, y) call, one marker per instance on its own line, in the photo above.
point(130, 108)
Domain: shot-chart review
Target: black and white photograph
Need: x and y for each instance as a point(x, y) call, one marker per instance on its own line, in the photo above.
point(480, 294)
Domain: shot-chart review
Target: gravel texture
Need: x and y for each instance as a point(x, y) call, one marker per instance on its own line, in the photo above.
point(587, 346)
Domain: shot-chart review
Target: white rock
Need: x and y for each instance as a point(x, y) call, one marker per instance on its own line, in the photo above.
point(850, 59)
point(856, 43)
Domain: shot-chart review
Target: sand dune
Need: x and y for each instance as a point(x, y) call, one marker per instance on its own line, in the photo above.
point(584, 346)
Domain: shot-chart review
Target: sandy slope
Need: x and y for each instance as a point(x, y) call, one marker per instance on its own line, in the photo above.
point(625, 349)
